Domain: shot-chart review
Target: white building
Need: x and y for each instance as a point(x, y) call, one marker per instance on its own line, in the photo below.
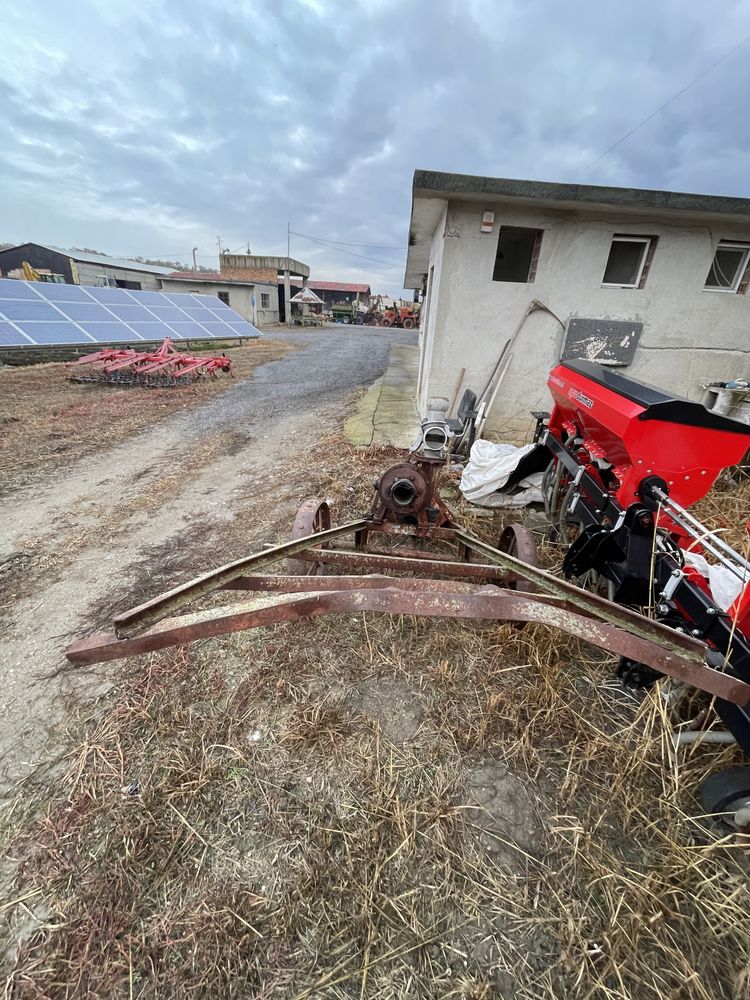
point(256, 302)
point(651, 280)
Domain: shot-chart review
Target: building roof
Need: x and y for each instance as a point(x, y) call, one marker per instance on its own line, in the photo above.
point(336, 286)
point(97, 258)
point(431, 190)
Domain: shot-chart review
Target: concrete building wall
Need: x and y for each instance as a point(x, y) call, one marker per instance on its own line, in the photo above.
point(689, 334)
point(240, 297)
point(432, 327)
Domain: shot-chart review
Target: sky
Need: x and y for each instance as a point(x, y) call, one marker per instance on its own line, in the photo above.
point(149, 128)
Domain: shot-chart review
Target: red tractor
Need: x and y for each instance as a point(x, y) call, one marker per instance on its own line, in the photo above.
point(406, 317)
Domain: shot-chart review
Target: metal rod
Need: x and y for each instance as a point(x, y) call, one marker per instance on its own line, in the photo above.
point(487, 602)
point(700, 532)
point(130, 621)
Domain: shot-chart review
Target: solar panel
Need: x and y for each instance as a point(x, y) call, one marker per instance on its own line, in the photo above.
point(90, 311)
point(104, 333)
point(18, 289)
point(131, 313)
point(61, 293)
point(188, 330)
point(42, 313)
point(26, 309)
point(10, 337)
point(54, 333)
point(216, 329)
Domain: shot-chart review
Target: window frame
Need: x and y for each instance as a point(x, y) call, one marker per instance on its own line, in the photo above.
point(265, 305)
point(647, 242)
point(734, 288)
point(223, 297)
point(536, 251)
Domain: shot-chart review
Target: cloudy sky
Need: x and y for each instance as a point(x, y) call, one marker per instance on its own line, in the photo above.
point(151, 127)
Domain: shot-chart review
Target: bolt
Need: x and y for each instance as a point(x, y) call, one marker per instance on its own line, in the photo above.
point(696, 632)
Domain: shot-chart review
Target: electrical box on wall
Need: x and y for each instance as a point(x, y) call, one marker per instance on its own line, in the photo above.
point(488, 221)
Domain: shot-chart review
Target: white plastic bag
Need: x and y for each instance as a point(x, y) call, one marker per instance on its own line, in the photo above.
point(489, 468)
point(725, 587)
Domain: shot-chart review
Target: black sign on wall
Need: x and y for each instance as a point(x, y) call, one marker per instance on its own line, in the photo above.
point(606, 341)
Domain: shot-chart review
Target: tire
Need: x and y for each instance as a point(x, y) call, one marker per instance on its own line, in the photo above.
point(345, 320)
point(359, 320)
point(724, 792)
point(385, 321)
point(408, 323)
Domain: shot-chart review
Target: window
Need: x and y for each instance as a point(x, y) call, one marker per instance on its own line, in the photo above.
point(517, 254)
point(224, 297)
point(728, 267)
point(626, 264)
point(265, 300)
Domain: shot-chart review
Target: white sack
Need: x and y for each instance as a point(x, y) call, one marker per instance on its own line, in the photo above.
point(489, 468)
point(725, 587)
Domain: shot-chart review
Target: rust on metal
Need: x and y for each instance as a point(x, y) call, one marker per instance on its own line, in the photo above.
point(406, 564)
point(488, 602)
point(465, 584)
point(150, 611)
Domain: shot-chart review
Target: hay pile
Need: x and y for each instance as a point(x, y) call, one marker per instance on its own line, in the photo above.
point(373, 807)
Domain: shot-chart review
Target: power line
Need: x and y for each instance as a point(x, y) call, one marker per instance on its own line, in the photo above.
point(668, 102)
point(342, 243)
point(386, 263)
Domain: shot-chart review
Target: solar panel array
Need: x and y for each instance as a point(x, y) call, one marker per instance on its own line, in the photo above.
point(40, 313)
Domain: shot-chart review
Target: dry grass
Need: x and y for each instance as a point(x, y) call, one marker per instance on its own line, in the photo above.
point(239, 820)
point(47, 422)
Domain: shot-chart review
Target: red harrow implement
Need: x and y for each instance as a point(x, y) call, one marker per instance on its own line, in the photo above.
point(160, 369)
point(621, 459)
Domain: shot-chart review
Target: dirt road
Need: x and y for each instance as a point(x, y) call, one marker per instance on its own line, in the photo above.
point(131, 514)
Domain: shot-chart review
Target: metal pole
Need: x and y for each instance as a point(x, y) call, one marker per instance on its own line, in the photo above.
point(287, 289)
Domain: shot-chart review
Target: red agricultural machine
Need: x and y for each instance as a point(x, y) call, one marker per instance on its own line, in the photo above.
point(623, 462)
point(161, 369)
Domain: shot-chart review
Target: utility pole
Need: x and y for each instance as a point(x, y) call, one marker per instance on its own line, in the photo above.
point(287, 289)
point(218, 243)
point(195, 265)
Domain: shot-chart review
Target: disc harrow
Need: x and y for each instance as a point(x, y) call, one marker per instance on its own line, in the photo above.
point(165, 368)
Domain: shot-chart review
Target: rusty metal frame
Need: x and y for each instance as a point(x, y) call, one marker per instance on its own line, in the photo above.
point(446, 587)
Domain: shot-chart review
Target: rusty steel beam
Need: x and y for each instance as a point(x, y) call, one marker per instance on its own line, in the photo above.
point(409, 564)
point(302, 584)
point(413, 530)
point(687, 664)
point(145, 614)
point(583, 601)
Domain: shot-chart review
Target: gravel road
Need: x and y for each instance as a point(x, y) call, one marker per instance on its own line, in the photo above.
point(271, 420)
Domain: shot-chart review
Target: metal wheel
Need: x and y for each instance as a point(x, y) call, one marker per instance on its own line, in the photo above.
point(518, 541)
point(313, 517)
point(726, 795)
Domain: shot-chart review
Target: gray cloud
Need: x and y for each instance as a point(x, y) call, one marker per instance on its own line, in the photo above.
point(147, 128)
